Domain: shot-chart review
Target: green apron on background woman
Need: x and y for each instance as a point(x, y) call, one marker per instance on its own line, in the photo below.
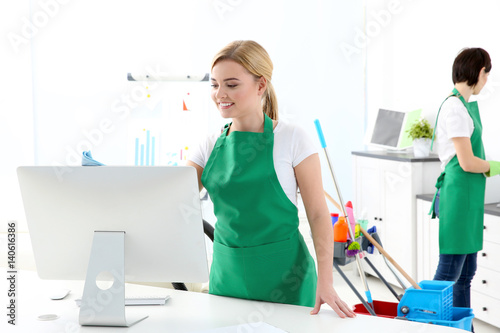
point(259, 252)
point(461, 197)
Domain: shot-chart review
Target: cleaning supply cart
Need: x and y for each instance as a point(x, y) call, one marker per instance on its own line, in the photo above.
point(431, 302)
point(342, 258)
point(428, 302)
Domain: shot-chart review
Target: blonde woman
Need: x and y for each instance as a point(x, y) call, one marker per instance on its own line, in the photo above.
point(252, 171)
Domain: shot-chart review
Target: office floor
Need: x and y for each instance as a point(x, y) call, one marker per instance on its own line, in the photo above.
point(381, 293)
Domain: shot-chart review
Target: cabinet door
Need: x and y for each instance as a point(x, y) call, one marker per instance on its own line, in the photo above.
point(492, 228)
point(427, 242)
point(487, 282)
point(386, 194)
point(485, 308)
point(367, 187)
point(395, 220)
point(397, 213)
point(383, 196)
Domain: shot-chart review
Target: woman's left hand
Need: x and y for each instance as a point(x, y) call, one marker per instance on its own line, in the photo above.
point(325, 293)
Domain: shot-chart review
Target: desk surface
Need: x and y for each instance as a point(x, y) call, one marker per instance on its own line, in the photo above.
point(402, 156)
point(189, 312)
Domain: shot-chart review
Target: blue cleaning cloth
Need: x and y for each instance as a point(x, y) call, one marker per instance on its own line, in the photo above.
point(87, 160)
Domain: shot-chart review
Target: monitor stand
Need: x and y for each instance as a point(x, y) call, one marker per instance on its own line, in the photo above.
point(399, 151)
point(106, 307)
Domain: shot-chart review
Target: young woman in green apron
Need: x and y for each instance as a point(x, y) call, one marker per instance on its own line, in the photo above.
point(259, 253)
point(462, 183)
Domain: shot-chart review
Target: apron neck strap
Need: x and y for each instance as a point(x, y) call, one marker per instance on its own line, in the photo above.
point(268, 124)
point(459, 95)
point(456, 93)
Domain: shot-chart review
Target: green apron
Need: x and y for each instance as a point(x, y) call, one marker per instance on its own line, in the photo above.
point(258, 251)
point(461, 197)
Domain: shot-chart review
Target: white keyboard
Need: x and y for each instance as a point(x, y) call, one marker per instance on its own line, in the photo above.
point(143, 300)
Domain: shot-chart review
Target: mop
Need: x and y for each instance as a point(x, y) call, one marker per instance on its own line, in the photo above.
point(351, 232)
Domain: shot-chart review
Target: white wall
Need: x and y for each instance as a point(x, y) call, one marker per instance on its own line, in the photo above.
point(16, 111)
point(83, 50)
point(410, 53)
point(322, 51)
point(77, 55)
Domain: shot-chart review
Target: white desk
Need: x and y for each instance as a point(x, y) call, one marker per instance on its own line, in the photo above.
point(189, 312)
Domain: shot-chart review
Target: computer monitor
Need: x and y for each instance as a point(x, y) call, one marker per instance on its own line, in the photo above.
point(389, 129)
point(148, 217)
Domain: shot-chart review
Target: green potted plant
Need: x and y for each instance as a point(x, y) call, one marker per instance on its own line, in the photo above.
point(421, 133)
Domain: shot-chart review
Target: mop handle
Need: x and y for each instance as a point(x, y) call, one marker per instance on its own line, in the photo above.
point(349, 228)
point(323, 145)
point(385, 254)
point(320, 133)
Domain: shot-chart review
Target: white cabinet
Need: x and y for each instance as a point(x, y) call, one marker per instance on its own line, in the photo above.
point(485, 289)
point(427, 241)
point(385, 186)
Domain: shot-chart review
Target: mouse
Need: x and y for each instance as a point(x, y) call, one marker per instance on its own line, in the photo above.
point(58, 294)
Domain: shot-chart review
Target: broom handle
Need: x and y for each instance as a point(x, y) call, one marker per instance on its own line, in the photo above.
point(335, 203)
point(385, 254)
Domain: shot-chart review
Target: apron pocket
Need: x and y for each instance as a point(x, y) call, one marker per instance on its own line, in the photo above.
point(280, 272)
point(242, 252)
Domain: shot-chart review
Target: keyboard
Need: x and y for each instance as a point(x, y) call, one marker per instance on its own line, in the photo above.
point(141, 300)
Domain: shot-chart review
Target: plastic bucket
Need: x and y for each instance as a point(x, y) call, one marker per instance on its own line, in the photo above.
point(381, 308)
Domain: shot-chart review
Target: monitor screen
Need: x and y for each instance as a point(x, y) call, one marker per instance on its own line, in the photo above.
point(157, 208)
point(389, 129)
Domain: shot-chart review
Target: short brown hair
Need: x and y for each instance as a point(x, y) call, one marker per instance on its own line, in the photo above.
point(468, 65)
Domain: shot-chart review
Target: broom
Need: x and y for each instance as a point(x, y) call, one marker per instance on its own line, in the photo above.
point(354, 246)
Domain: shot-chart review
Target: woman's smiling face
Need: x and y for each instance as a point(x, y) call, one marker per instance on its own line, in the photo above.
point(235, 91)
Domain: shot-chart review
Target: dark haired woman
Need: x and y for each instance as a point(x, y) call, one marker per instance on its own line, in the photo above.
point(462, 183)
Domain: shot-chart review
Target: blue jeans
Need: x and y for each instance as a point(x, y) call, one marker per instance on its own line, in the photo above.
point(461, 269)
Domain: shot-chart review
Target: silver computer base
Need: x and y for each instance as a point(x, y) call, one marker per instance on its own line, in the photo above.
point(106, 307)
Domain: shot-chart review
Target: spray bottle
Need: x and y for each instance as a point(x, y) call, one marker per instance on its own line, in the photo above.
point(335, 218)
point(340, 230)
point(350, 215)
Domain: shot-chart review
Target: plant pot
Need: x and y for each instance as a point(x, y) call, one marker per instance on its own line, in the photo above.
point(421, 147)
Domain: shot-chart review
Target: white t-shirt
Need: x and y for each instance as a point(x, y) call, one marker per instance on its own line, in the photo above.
point(291, 146)
point(454, 122)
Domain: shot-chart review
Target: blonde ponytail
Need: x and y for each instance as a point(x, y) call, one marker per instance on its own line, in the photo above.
point(270, 103)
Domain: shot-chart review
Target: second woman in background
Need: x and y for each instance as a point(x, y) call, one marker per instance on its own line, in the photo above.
point(462, 183)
